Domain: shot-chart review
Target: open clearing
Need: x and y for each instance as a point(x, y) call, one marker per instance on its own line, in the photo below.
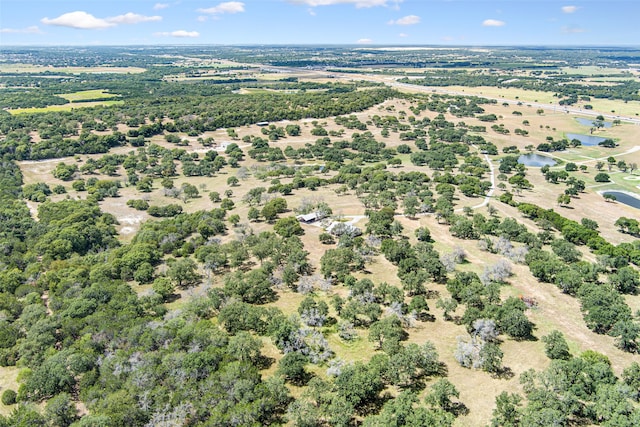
point(8, 380)
point(64, 107)
point(87, 95)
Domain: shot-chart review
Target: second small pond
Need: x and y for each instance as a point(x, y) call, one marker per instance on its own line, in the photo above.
point(536, 160)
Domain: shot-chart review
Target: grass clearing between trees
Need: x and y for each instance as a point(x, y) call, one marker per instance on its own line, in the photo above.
point(8, 380)
point(64, 107)
point(87, 95)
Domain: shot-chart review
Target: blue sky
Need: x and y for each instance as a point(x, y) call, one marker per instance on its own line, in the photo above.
point(375, 22)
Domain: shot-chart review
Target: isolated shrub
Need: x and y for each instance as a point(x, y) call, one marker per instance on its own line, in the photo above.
point(138, 204)
point(65, 172)
point(498, 272)
point(571, 167)
point(555, 346)
point(79, 185)
point(165, 211)
point(468, 352)
point(326, 238)
point(346, 331)
point(423, 234)
point(9, 397)
point(59, 189)
point(36, 192)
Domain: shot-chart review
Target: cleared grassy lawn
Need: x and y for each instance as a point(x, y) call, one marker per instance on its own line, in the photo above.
point(592, 70)
point(65, 107)
point(87, 95)
point(631, 108)
point(8, 380)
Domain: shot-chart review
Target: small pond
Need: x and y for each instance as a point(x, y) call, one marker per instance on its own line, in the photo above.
point(588, 140)
point(536, 160)
point(590, 123)
point(624, 198)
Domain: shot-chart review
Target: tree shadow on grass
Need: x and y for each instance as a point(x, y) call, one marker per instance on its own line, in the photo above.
point(264, 362)
point(442, 370)
point(426, 317)
point(432, 294)
point(374, 406)
point(504, 373)
point(303, 380)
point(458, 409)
point(173, 298)
point(529, 337)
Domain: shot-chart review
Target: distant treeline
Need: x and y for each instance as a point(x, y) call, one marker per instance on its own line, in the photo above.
point(561, 85)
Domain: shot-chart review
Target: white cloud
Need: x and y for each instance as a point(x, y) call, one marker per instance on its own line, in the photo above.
point(407, 20)
point(160, 6)
point(226, 7)
point(29, 30)
point(403, 35)
point(569, 9)
point(358, 3)
point(364, 41)
point(572, 30)
point(311, 12)
point(492, 23)
point(80, 20)
point(178, 33)
point(85, 21)
point(133, 18)
point(202, 18)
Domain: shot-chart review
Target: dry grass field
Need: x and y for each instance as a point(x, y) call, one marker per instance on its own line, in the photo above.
point(80, 99)
point(8, 380)
point(64, 107)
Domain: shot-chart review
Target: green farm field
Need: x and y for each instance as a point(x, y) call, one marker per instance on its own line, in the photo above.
point(64, 107)
point(87, 95)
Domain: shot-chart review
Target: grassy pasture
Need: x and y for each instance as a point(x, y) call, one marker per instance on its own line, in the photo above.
point(506, 93)
point(593, 70)
point(64, 107)
point(87, 95)
point(80, 99)
point(8, 380)
point(607, 106)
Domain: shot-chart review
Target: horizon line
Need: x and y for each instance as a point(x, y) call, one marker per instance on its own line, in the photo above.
point(360, 45)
